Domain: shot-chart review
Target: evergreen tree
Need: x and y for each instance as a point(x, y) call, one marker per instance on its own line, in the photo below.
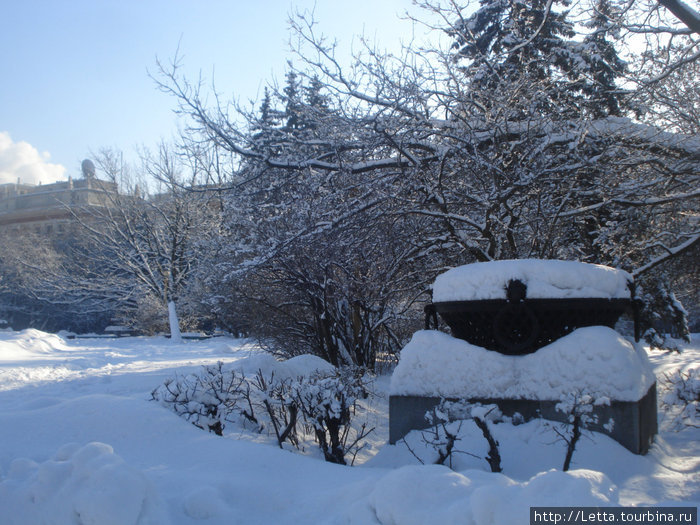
point(512, 45)
point(314, 96)
point(507, 41)
point(291, 98)
point(265, 127)
point(596, 78)
point(316, 102)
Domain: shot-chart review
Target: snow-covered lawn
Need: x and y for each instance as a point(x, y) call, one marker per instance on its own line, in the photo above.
point(81, 442)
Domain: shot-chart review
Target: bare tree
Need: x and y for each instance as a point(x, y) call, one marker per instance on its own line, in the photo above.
point(510, 141)
point(151, 241)
point(46, 285)
point(128, 251)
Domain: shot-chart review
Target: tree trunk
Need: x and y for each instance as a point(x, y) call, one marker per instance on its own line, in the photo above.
point(684, 13)
point(175, 335)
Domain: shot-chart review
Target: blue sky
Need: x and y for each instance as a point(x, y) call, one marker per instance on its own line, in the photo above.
point(75, 72)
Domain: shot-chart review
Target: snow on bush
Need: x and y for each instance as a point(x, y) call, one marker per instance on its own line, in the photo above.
point(208, 400)
point(578, 407)
point(544, 279)
point(446, 420)
point(434, 494)
point(439, 442)
point(595, 360)
point(663, 318)
point(327, 403)
point(87, 485)
point(221, 394)
point(272, 399)
point(683, 397)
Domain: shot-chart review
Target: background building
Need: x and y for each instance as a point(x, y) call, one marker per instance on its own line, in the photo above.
point(49, 208)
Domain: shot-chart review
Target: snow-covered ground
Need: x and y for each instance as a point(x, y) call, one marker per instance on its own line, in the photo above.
point(81, 442)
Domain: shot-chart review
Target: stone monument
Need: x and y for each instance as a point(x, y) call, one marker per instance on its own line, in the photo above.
point(525, 334)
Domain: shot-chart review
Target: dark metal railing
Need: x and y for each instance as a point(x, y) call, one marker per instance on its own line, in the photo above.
point(520, 325)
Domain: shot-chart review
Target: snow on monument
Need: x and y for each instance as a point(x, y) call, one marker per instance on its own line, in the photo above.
point(525, 335)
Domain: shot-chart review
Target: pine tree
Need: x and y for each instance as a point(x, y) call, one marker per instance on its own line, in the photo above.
point(314, 96)
point(510, 43)
point(266, 127)
point(596, 77)
point(507, 41)
point(291, 98)
point(316, 102)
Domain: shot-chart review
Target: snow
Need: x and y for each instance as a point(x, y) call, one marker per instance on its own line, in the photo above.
point(302, 365)
point(544, 279)
point(624, 126)
point(594, 360)
point(30, 344)
point(83, 443)
point(89, 485)
point(441, 496)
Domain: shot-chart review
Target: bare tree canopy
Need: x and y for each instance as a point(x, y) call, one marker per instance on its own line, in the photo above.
point(542, 129)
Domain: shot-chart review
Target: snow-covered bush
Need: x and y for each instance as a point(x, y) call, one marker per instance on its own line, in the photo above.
point(446, 421)
point(578, 407)
point(208, 400)
point(327, 403)
point(442, 435)
point(277, 397)
point(324, 401)
point(79, 485)
point(664, 320)
point(684, 393)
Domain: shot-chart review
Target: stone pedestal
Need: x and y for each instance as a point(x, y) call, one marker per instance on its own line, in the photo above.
point(527, 334)
point(635, 422)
